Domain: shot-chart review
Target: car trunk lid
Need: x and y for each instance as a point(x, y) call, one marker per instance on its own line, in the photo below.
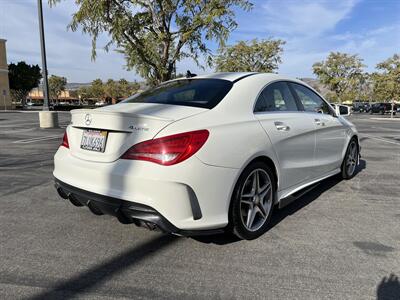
point(126, 124)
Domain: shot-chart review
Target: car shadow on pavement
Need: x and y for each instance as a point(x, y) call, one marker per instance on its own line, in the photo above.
point(97, 275)
point(388, 288)
point(280, 214)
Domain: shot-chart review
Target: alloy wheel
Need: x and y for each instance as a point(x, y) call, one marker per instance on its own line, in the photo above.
point(256, 200)
point(351, 160)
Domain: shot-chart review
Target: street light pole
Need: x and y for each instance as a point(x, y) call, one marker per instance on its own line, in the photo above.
point(44, 63)
point(47, 118)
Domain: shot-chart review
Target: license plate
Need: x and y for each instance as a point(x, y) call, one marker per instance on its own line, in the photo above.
point(94, 140)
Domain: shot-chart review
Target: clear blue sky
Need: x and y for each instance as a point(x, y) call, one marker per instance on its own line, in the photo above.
point(311, 29)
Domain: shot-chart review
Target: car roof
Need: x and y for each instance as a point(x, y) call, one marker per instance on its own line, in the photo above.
point(236, 76)
point(230, 76)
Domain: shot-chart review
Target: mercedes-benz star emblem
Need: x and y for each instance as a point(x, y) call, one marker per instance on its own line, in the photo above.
point(88, 119)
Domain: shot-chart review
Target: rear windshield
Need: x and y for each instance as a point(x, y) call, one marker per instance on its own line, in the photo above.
point(205, 93)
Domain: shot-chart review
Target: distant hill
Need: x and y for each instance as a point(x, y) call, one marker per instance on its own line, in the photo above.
point(71, 86)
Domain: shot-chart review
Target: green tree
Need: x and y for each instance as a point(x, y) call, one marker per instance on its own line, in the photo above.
point(119, 89)
point(341, 73)
point(111, 89)
point(97, 89)
point(57, 85)
point(127, 88)
point(250, 56)
point(154, 35)
point(85, 93)
point(365, 88)
point(387, 80)
point(23, 78)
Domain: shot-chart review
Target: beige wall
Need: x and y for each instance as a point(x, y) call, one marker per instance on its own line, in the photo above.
point(5, 100)
point(37, 93)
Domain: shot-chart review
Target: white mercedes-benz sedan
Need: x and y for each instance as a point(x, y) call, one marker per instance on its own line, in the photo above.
point(204, 154)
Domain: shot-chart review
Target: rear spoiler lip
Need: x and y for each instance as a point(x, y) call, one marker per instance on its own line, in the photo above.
point(101, 129)
point(83, 111)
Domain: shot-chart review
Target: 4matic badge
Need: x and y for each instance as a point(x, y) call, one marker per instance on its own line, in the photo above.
point(138, 128)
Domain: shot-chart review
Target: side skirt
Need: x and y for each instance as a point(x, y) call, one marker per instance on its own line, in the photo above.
point(302, 189)
point(289, 199)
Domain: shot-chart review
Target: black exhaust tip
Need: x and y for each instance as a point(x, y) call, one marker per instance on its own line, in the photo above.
point(74, 201)
point(149, 225)
point(62, 193)
point(124, 219)
point(94, 209)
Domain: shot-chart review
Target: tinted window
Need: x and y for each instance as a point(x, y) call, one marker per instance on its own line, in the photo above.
point(310, 100)
point(276, 97)
point(205, 93)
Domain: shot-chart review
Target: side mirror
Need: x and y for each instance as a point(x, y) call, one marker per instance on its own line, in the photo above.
point(343, 110)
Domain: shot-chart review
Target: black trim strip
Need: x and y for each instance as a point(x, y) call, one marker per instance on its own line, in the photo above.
point(244, 76)
point(194, 204)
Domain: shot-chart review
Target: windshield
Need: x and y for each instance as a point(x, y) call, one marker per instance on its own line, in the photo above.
point(205, 93)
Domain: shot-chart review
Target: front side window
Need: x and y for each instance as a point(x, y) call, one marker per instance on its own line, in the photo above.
point(276, 97)
point(205, 93)
point(310, 100)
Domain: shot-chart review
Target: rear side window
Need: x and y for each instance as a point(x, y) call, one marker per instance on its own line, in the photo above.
point(276, 97)
point(310, 100)
point(205, 93)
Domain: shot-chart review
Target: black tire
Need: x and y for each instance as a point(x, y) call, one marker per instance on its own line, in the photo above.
point(346, 171)
point(236, 223)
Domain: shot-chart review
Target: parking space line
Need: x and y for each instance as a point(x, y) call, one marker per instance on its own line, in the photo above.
point(17, 130)
point(38, 139)
point(17, 125)
point(385, 119)
point(387, 129)
point(28, 124)
point(381, 139)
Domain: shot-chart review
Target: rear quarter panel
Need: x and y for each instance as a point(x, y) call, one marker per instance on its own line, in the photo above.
point(236, 136)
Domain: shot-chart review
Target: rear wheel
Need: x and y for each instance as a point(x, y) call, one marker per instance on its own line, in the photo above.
point(253, 201)
point(350, 160)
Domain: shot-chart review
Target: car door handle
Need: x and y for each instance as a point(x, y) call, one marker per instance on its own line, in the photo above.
point(319, 122)
point(281, 126)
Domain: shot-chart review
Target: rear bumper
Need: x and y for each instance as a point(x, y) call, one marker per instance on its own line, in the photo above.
point(126, 212)
point(190, 195)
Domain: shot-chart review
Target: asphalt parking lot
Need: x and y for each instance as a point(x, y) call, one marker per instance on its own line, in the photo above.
point(340, 241)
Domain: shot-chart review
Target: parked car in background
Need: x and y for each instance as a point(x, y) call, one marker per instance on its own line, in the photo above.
point(361, 106)
point(383, 108)
point(367, 107)
point(100, 103)
point(358, 106)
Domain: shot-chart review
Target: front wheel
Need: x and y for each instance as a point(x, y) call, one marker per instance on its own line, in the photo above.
point(350, 160)
point(252, 201)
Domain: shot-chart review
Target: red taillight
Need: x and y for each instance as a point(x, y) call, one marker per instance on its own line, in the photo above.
point(168, 150)
point(65, 141)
